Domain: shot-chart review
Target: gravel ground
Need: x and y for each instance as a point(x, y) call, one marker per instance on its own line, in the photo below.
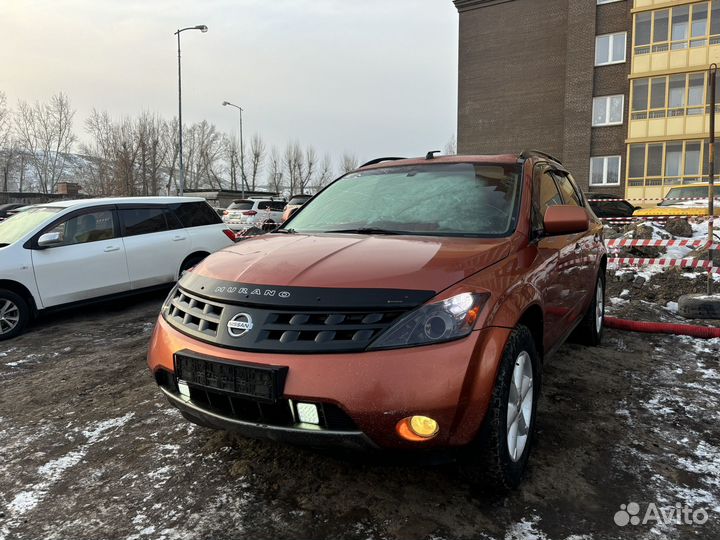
point(89, 449)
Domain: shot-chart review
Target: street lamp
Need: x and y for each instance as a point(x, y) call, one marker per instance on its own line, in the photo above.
point(242, 149)
point(203, 29)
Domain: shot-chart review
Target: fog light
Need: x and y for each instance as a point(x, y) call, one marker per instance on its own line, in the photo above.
point(424, 426)
point(417, 428)
point(308, 413)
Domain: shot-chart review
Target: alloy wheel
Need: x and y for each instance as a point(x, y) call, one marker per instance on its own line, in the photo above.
point(9, 316)
point(599, 306)
point(520, 406)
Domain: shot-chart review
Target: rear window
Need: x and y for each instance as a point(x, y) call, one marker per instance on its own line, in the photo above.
point(274, 206)
point(143, 220)
point(241, 205)
point(196, 214)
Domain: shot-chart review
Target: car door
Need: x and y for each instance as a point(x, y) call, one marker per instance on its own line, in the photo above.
point(555, 255)
point(88, 261)
point(155, 244)
point(580, 246)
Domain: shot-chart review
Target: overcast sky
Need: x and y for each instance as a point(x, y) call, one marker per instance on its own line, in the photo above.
point(371, 77)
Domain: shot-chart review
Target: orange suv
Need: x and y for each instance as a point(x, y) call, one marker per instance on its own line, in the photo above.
point(410, 305)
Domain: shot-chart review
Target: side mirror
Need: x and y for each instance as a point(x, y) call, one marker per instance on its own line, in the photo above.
point(49, 239)
point(565, 219)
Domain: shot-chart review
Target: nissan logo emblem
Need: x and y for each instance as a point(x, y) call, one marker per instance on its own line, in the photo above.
point(240, 325)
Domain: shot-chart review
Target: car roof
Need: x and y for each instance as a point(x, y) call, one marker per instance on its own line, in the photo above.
point(501, 159)
point(84, 203)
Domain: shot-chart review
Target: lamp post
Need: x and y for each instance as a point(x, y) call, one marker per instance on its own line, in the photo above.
point(203, 29)
point(242, 148)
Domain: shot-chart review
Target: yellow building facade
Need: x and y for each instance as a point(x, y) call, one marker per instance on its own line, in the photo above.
point(674, 42)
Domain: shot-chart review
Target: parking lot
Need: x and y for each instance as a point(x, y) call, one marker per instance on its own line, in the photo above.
point(90, 449)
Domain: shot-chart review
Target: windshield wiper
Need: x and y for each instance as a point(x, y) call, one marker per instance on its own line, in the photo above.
point(3, 245)
point(368, 230)
point(284, 231)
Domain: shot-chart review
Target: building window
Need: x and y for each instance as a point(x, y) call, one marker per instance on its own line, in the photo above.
point(610, 49)
point(608, 110)
point(605, 171)
point(667, 163)
point(677, 28)
point(669, 96)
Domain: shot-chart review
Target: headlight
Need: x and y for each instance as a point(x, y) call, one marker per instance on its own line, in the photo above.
point(449, 319)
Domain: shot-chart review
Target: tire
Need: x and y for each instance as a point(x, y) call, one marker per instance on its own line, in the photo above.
point(590, 330)
point(14, 314)
point(497, 460)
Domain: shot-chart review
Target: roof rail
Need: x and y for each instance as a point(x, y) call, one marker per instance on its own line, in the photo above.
point(379, 160)
point(529, 153)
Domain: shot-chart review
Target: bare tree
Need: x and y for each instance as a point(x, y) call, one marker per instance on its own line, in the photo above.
point(349, 163)
point(231, 147)
point(257, 158)
point(325, 174)
point(451, 146)
point(275, 172)
point(44, 131)
point(7, 152)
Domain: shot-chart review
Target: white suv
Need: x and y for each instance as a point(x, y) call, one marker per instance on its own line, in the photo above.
point(246, 213)
point(72, 251)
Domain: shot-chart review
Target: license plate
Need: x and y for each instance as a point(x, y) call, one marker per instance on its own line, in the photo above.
point(261, 382)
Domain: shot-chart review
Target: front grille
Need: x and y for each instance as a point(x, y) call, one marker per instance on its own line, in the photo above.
point(283, 331)
point(347, 329)
point(194, 313)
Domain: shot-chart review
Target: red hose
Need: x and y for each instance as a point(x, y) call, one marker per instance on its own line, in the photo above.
point(704, 332)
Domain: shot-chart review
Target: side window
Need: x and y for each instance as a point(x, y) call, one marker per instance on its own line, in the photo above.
point(196, 214)
point(143, 220)
point(172, 220)
point(545, 194)
point(570, 196)
point(84, 228)
point(263, 205)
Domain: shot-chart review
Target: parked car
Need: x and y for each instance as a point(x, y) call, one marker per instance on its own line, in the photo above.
point(423, 298)
point(246, 213)
point(675, 206)
point(610, 209)
point(72, 251)
point(296, 201)
point(5, 209)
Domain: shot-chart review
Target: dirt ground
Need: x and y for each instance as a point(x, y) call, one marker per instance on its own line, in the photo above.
point(89, 449)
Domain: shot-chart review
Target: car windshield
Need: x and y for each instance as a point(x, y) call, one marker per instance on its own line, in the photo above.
point(459, 199)
point(694, 192)
point(18, 225)
point(241, 205)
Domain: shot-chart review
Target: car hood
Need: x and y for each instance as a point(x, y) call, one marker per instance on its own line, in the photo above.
point(354, 261)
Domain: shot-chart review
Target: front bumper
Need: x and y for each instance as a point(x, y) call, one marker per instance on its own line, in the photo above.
point(450, 382)
point(351, 440)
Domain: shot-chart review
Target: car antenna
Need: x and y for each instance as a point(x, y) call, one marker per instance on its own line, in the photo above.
point(431, 154)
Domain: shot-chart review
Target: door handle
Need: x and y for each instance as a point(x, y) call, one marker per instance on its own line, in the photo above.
point(178, 238)
point(109, 249)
